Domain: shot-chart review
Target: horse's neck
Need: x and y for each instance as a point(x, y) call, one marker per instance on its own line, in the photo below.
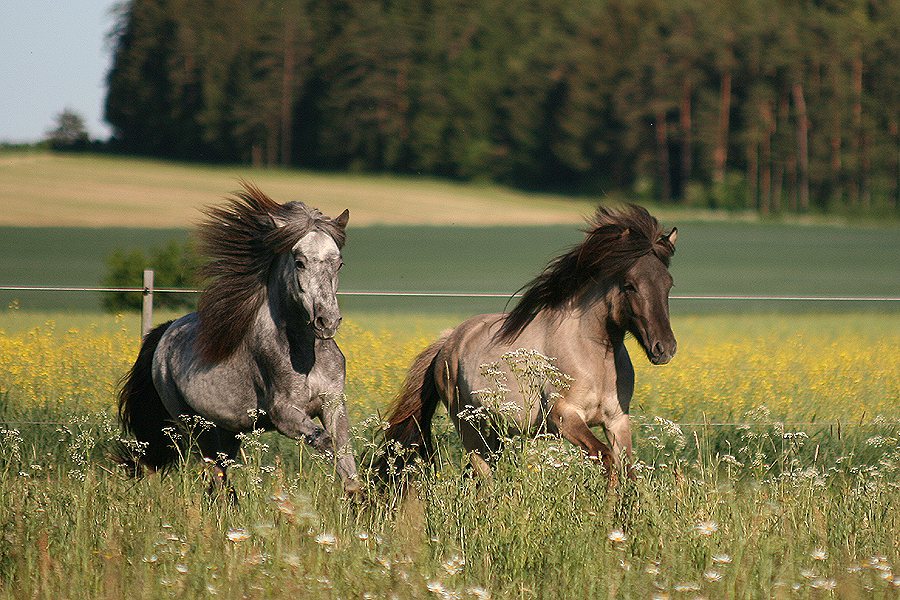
point(281, 327)
point(592, 315)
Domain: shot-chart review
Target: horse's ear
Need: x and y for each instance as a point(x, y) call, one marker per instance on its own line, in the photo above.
point(673, 236)
point(341, 221)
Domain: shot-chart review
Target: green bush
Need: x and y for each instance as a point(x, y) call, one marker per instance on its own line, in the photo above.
point(174, 265)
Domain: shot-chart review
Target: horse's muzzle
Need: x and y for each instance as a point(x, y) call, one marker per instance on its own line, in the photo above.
point(326, 328)
point(661, 353)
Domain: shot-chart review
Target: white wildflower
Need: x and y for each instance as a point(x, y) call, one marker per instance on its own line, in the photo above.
point(237, 534)
point(479, 592)
point(326, 540)
point(712, 575)
point(453, 565)
point(819, 554)
point(823, 584)
point(618, 536)
point(707, 527)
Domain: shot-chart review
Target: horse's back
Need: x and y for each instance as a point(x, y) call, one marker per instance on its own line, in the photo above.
point(469, 345)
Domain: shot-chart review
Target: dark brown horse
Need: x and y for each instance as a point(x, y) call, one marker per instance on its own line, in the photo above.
point(577, 311)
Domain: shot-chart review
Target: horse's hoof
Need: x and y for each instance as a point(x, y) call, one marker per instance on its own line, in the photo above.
point(353, 490)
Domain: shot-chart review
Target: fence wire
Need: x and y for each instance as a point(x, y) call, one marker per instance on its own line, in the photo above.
point(461, 294)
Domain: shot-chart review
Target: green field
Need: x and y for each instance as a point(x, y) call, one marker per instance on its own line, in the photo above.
point(406, 234)
point(712, 258)
point(768, 450)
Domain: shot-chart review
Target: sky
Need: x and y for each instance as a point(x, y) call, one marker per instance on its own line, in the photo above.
point(54, 56)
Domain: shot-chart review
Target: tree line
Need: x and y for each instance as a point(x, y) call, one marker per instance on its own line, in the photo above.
point(772, 105)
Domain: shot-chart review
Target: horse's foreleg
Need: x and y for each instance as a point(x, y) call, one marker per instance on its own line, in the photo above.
point(295, 423)
point(572, 426)
point(618, 432)
point(336, 421)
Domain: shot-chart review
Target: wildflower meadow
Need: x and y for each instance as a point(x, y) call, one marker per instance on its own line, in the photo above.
point(768, 466)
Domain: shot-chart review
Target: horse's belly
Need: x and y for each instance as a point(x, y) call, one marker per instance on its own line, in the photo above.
point(214, 393)
point(222, 400)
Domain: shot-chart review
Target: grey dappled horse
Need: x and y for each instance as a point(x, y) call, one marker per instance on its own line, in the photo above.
point(260, 350)
point(578, 312)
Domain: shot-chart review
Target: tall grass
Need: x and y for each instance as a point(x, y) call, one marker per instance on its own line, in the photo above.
point(773, 507)
point(546, 526)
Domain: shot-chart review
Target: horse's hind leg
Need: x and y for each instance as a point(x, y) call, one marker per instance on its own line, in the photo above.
point(481, 443)
point(482, 470)
point(218, 447)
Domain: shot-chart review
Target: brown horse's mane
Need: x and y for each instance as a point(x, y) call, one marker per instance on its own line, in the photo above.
point(240, 241)
point(616, 239)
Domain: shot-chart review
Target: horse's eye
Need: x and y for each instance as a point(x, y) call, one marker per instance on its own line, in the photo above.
point(628, 287)
point(299, 263)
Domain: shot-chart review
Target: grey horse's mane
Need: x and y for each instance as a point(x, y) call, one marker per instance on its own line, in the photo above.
point(616, 239)
point(240, 241)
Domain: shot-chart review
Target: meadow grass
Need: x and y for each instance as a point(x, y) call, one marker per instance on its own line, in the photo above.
point(768, 450)
point(769, 506)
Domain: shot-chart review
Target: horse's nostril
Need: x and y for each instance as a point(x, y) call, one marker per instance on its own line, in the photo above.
point(327, 323)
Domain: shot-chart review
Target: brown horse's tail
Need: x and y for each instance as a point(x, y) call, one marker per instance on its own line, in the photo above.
point(408, 430)
point(143, 415)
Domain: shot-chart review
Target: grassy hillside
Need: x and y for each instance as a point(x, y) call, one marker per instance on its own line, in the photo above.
point(42, 189)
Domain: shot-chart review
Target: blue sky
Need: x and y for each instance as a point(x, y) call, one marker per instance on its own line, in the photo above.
point(54, 55)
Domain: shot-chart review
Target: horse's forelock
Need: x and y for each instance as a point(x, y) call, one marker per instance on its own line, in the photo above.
point(616, 238)
point(294, 220)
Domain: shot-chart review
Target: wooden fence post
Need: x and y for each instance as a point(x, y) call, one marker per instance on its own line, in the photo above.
point(147, 310)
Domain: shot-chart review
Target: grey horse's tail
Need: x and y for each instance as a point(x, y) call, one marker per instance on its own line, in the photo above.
point(143, 415)
point(409, 421)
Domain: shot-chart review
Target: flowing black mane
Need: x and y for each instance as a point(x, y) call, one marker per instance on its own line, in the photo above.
point(615, 240)
point(241, 241)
